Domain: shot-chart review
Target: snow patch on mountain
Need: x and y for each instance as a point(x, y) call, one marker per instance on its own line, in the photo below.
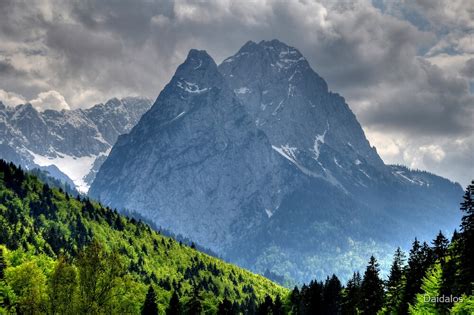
point(76, 168)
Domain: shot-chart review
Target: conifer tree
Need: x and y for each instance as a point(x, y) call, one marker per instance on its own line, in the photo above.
point(351, 295)
point(419, 261)
point(394, 294)
point(174, 308)
point(430, 288)
point(332, 296)
point(467, 241)
point(194, 305)
point(225, 307)
point(295, 300)
point(266, 307)
point(278, 306)
point(440, 246)
point(372, 293)
point(149, 306)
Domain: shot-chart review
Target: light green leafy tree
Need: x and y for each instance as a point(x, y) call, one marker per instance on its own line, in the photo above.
point(430, 290)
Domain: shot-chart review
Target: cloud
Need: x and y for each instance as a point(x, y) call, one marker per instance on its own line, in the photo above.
point(468, 69)
point(10, 98)
point(403, 66)
point(49, 100)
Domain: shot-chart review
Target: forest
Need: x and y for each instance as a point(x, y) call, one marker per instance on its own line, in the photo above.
point(62, 253)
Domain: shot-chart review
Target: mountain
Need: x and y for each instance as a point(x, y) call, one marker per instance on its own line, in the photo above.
point(69, 144)
point(259, 161)
point(114, 259)
point(198, 148)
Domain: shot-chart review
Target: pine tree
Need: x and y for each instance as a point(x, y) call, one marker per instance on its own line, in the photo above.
point(266, 307)
point(332, 296)
point(419, 260)
point(430, 288)
point(278, 306)
point(395, 282)
point(351, 295)
point(295, 300)
point(194, 305)
point(225, 307)
point(440, 246)
point(467, 241)
point(149, 306)
point(174, 308)
point(372, 293)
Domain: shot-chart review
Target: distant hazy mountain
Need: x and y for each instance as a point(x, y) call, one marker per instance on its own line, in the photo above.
point(69, 144)
point(259, 161)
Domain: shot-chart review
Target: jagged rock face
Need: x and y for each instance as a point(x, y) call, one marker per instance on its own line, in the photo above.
point(305, 122)
point(72, 140)
point(259, 161)
point(196, 163)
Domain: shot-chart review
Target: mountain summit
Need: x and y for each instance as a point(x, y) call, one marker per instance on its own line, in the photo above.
point(258, 160)
point(196, 163)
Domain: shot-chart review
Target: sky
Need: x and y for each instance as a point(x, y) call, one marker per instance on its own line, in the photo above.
point(406, 68)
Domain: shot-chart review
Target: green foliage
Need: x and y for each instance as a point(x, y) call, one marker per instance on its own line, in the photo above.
point(62, 287)
point(395, 283)
point(429, 290)
point(72, 255)
point(371, 289)
point(64, 255)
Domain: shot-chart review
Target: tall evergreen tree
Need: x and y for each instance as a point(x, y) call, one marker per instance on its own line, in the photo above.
point(174, 308)
point(372, 293)
point(332, 296)
point(351, 295)
point(440, 246)
point(394, 294)
point(225, 307)
point(467, 241)
point(194, 305)
point(295, 300)
point(419, 261)
point(150, 307)
point(266, 308)
point(278, 306)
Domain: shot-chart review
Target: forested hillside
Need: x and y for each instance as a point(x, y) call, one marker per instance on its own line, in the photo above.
point(61, 254)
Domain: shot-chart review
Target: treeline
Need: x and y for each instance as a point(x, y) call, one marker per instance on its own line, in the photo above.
point(69, 255)
point(63, 254)
point(436, 279)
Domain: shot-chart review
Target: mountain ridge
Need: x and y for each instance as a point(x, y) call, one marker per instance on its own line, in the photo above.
point(74, 141)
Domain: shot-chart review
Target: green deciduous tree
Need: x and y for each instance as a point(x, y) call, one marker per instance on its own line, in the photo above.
point(99, 275)
point(29, 284)
point(62, 288)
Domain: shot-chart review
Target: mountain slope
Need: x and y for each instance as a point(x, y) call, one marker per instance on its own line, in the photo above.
point(74, 141)
point(209, 169)
point(39, 224)
point(303, 182)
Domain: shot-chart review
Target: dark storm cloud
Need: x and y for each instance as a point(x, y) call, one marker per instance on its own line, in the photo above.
point(89, 51)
